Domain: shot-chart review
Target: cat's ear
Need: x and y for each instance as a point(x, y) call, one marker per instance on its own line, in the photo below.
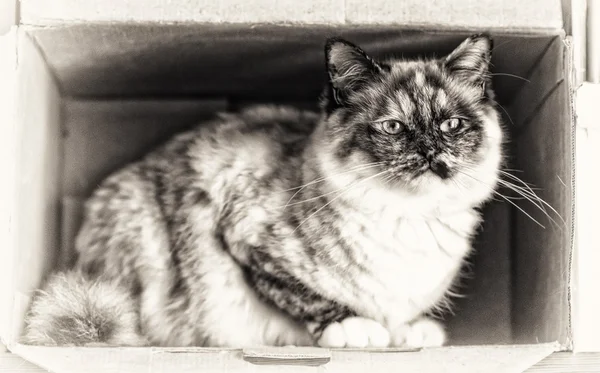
point(471, 59)
point(349, 68)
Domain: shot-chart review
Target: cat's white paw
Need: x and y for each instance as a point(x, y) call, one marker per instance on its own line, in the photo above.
point(355, 332)
point(423, 332)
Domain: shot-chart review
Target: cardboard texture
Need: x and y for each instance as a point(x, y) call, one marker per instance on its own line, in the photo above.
point(489, 14)
point(543, 147)
point(92, 93)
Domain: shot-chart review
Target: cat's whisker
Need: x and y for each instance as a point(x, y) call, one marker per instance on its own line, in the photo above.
point(526, 192)
point(508, 174)
point(308, 199)
point(528, 187)
point(328, 193)
point(522, 192)
point(324, 178)
point(459, 186)
point(320, 179)
point(512, 170)
point(497, 46)
point(503, 109)
point(350, 187)
point(462, 188)
point(389, 180)
point(520, 209)
point(505, 198)
point(511, 75)
point(386, 181)
point(535, 200)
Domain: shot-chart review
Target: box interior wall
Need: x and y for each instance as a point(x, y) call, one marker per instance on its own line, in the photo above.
point(94, 97)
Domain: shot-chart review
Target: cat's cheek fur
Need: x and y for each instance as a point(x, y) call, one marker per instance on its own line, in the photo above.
point(482, 178)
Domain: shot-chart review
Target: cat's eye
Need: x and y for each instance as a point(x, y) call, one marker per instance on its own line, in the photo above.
point(392, 127)
point(451, 125)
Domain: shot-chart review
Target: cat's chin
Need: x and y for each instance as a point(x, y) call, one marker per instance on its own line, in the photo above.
point(428, 182)
point(423, 183)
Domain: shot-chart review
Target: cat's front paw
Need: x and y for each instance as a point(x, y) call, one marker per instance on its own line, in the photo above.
point(423, 332)
point(355, 332)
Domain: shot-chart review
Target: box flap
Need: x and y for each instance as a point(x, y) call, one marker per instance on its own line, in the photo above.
point(586, 303)
point(487, 359)
point(462, 14)
point(30, 137)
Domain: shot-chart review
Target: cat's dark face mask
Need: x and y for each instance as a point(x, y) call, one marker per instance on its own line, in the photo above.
point(419, 120)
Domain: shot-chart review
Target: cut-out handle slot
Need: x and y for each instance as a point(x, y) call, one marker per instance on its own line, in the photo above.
point(307, 356)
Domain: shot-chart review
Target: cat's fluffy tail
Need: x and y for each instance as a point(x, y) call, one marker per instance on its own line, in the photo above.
point(74, 311)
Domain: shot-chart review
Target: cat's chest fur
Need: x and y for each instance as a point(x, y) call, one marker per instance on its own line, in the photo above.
point(404, 263)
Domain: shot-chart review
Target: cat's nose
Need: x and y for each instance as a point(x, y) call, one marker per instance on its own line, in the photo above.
point(429, 155)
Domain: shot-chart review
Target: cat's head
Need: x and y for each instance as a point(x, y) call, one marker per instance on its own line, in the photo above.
point(424, 124)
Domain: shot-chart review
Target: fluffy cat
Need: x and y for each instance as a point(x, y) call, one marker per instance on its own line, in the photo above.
point(275, 226)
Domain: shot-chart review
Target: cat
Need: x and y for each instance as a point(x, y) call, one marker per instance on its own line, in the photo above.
point(277, 226)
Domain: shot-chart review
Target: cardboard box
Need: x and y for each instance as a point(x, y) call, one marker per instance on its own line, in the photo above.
point(88, 86)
